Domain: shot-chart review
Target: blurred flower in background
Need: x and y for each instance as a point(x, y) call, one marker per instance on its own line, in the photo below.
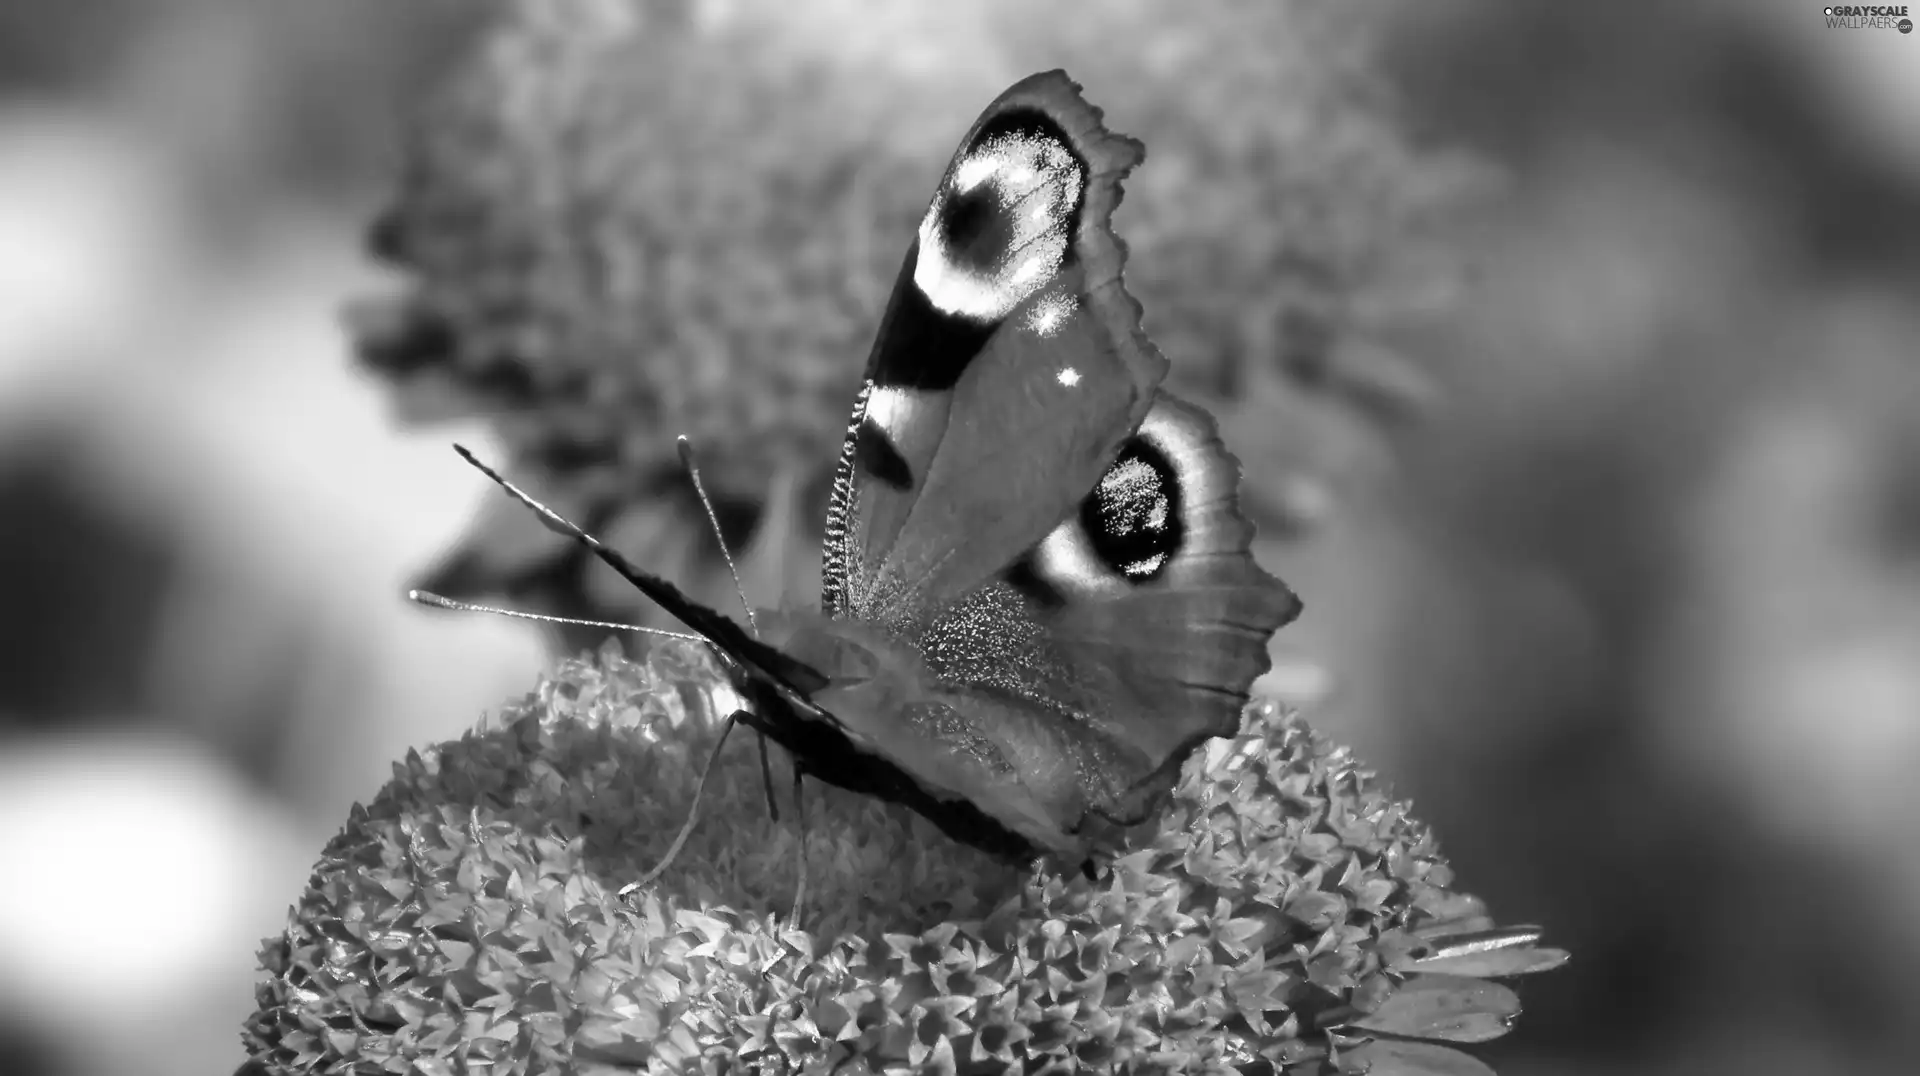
point(208, 523)
point(1660, 631)
point(598, 257)
point(1630, 613)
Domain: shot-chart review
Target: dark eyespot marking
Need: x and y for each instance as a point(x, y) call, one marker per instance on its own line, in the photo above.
point(1035, 125)
point(1133, 519)
point(1000, 230)
point(920, 347)
point(878, 457)
point(977, 228)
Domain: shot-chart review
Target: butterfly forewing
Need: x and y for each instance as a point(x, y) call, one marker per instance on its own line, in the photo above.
point(1008, 368)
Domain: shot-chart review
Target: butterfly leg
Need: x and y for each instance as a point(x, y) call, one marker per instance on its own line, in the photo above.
point(800, 824)
point(693, 813)
point(766, 778)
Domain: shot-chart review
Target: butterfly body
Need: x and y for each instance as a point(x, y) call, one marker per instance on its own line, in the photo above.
point(1038, 596)
point(959, 743)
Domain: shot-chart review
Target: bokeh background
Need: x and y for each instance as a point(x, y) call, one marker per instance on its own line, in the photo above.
point(1572, 351)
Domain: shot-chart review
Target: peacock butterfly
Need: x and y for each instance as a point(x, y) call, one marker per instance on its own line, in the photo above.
point(1038, 594)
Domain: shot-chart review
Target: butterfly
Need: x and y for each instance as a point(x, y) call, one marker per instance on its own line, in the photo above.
point(1038, 594)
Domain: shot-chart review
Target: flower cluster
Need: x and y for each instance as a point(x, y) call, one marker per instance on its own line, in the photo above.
point(1285, 912)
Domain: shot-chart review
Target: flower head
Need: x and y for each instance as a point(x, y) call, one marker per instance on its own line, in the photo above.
point(1284, 911)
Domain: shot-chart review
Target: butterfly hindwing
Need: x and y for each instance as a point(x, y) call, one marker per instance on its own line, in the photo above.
point(1130, 633)
point(1008, 368)
point(1072, 683)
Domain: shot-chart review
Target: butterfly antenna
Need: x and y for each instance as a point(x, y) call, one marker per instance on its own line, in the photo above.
point(687, 460)
point(713, 519)
point(427, 597)
point(693, 815)
point(735, 644)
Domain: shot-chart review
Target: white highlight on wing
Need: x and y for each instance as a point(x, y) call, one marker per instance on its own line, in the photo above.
point(1182, 446)
point(1048, 313)
point(890, 408)
point(1128, 481)
point(1065, 558)
point(1068, 376)
point(1033, 183)
point(974, 171)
